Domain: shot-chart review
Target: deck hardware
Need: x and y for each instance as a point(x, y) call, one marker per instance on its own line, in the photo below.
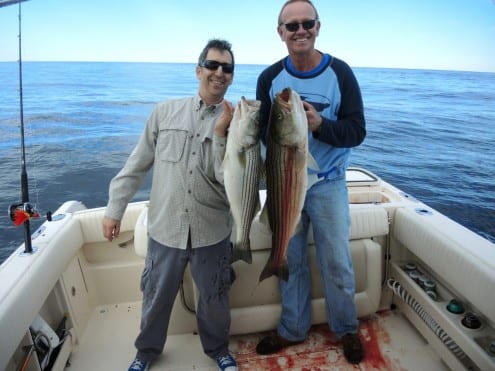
point(398, 290)
point(492, 346)
point(24, 253)
point(124, 244)
point(423, 211)
point(455, 306)
point(73, 291)
point(414, 275)
point(38, 232)
point(57, 217)
point(410, 266)
point(408, 196)
point(471, 321)
point(432, 294)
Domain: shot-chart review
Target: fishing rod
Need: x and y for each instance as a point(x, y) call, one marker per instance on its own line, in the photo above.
point(22, 213)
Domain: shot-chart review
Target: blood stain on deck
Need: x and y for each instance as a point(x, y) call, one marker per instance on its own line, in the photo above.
point(320, 352)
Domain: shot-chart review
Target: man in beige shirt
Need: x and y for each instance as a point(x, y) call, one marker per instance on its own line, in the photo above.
point(188, 217)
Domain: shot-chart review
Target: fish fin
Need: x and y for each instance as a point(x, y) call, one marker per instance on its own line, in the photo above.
point(268, 271)
point(242, 251)
point(281, 272)
point(312, 164)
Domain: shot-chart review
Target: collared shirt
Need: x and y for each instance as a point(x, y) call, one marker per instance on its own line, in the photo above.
point(187, 192)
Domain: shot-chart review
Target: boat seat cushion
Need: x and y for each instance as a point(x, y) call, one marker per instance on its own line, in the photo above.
point(91, 227)
point(256, 307)
point(141, 234)
point(366, 221)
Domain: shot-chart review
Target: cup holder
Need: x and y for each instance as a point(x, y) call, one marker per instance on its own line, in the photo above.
point(471, 321)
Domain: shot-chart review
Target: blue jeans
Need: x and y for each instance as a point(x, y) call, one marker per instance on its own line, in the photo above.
point(326, 207)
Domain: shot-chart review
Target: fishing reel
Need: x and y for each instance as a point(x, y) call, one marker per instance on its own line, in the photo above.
point(20, 213)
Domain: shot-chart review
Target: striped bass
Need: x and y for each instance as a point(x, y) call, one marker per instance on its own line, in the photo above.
point(242, 168)
point(286, 176)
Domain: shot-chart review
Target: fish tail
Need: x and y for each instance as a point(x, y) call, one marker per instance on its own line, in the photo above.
point(281, 271)
point(242, 251)
point(268, 271)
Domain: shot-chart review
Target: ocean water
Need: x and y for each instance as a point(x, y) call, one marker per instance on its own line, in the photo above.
point(430, 133)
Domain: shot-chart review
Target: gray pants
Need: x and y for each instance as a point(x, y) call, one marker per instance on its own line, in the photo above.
point(160, 282)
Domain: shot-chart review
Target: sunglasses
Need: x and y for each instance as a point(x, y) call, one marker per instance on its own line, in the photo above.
point(213, 66)
point(294, 26)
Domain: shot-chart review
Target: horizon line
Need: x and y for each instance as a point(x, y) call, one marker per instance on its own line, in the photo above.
point(249, 64)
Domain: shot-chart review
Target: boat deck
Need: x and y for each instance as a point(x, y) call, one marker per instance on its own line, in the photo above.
point(391, 343)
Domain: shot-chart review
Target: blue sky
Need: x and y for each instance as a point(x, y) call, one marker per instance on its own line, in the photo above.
point(427, 34)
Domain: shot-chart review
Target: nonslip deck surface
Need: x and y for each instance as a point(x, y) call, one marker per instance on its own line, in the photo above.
point(390, 342)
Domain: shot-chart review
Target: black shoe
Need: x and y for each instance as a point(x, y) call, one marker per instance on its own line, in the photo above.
point(353, 349)
point(273, 343)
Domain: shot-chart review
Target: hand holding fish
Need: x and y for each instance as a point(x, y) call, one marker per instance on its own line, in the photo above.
point(314, 118)
point(223, 122)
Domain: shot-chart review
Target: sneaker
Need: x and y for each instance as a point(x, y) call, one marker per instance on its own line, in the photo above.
point(353, 349)
point(139, 365)
point(226, 363)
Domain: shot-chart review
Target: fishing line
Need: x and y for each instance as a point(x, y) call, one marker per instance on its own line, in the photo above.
point(34, 165)
point(22, 213)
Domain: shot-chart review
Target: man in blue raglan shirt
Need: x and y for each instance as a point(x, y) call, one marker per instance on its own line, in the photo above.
point(334, 109)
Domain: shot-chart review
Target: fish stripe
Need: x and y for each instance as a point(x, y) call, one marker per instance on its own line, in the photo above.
point(286, 176)
point(283, 177)
point(242, 165)
point(250, 189)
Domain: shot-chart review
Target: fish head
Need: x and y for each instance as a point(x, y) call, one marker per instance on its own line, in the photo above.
point(245, 123)
point(288, 122)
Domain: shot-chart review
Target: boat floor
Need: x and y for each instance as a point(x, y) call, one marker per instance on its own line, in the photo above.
point(390, 341)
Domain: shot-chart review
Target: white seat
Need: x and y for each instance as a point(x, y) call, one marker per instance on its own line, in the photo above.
point(256, 306)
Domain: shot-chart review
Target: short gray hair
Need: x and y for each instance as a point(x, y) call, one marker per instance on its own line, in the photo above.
point(294, 1)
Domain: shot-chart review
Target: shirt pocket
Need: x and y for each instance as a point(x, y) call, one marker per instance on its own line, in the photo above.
point(170, 145)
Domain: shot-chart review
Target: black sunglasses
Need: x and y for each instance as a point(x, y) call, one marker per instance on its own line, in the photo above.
point(213, 66)
point(294, 26)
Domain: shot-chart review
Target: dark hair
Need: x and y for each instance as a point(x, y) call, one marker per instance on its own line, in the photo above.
point(294, 1)
point(218, 44)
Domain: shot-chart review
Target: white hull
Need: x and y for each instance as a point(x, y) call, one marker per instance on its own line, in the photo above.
point(75, 272)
